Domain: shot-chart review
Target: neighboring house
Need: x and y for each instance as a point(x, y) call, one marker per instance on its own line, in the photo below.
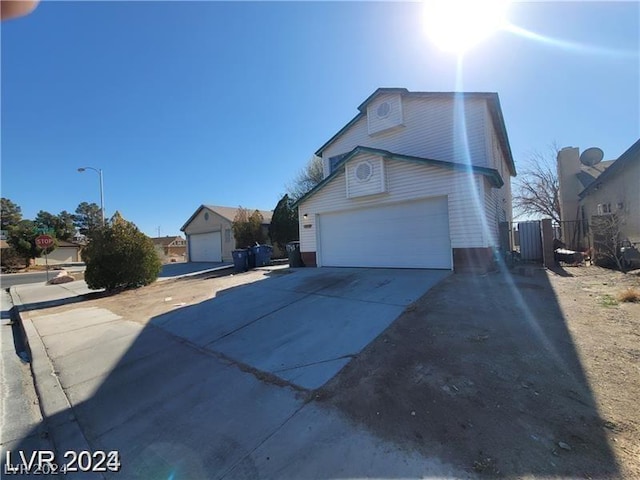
point(414, 180)
point(170, 246)
point(611, 187)
point(209, 233)
point(66, 252)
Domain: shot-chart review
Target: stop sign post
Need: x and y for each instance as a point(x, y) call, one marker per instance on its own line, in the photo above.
point(45, 241)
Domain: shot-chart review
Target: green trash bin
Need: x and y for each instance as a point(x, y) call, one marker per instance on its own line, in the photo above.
point(293, 252)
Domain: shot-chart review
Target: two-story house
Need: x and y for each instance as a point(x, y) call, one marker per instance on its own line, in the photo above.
point(414, 180)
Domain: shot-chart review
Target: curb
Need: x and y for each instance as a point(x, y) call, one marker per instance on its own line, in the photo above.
point(195, 274)
point(57, 412)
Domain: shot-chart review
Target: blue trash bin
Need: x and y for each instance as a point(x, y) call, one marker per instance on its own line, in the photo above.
point(251, 258)
point(240, 260)
point(263, 254)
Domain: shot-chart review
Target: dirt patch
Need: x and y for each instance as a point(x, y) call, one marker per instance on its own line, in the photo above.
point(508, 376)
point(143, 304)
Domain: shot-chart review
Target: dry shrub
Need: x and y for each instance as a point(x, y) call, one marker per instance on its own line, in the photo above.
point(629, 295)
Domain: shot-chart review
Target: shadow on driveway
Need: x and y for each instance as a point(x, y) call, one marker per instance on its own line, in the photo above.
point(183, 401)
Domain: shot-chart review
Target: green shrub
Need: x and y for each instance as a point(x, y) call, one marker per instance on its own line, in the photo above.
point(119, 255)
point(284, 224)
point(247, 228)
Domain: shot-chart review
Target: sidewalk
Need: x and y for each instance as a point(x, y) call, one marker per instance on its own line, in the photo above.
point(35, 296)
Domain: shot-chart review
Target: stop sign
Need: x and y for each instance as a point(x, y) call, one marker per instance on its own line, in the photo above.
point(44, 241)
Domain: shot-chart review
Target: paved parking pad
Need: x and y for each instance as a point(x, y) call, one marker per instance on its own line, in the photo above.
point(313, 331)
point(213, 319)
point(304, 325)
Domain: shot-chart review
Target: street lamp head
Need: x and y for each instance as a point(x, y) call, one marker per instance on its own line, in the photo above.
point(81, 169)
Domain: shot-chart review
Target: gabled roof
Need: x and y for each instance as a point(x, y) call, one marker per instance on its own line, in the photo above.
point(627, 158)
point(165, 241)
point(492, 174)
point(587, 175)
point(228, 213)
point(493, 103)
point(64, 243)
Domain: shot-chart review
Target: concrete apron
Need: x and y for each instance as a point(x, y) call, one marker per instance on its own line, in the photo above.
point(303, 326)
point(174, 408)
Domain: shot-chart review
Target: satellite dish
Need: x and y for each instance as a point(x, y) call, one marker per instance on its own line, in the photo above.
point(591, 156)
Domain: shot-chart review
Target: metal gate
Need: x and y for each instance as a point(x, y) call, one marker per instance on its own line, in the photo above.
point(530, 238)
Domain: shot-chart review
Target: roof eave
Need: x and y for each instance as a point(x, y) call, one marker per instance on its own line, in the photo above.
point(492, 174)
point(495, 110)
point(496, 113)
point(340, 132)
point(632, 152)
point(195, 214)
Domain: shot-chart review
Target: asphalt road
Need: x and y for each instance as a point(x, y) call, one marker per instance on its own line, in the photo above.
point(20, 418)
point(10, 279)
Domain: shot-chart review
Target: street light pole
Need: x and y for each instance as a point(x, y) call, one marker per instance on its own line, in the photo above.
point(99, 171)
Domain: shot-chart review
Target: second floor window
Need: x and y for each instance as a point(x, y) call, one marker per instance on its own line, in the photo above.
point(334, 161)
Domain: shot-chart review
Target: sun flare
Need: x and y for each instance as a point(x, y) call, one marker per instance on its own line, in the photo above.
point(458, 25)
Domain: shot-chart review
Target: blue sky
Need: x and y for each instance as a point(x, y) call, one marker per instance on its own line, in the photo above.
point(222, 103)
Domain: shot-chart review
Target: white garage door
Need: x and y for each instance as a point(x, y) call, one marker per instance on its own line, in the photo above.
point(404, 235)
point(60, 255)
point(205, 247)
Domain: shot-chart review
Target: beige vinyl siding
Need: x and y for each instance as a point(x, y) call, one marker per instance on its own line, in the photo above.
point(407, 181)
point(60, 255)
point(429, 131)
point(620, 188)
point(215, 223)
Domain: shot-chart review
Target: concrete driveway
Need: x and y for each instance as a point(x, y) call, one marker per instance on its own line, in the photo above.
point(301, 325)
point(229, 403)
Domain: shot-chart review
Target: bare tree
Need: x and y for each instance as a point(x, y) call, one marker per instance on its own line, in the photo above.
point(307, 178)
point(606, 239)
point(537, 188)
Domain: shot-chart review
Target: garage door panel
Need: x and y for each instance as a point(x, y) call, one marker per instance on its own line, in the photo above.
point(205, 247)
point(407, 235)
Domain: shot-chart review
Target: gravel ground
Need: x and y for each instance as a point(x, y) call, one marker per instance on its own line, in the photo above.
point(508, 376)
